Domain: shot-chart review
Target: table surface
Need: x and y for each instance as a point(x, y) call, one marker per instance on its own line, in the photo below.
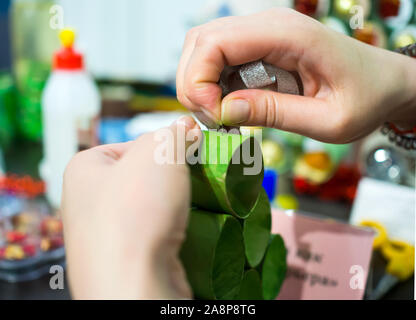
point(24, 159)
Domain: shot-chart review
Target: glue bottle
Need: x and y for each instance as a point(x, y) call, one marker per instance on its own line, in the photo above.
point(70, 109)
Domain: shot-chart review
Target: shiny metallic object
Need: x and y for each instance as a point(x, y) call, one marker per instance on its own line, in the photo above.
point(259, 75)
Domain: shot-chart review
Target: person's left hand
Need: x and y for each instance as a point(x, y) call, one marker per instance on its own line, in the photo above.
point(125, 218)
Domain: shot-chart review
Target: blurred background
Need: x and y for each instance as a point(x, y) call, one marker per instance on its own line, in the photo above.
point(113, 75)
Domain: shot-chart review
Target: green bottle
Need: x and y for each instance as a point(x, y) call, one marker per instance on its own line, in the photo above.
point(33, 44)
point(7, 110)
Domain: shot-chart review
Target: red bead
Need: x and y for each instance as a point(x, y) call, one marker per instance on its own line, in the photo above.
point(51, 226)
point(308, 7)
point(29, 250)
point(15, 236)
point(389, 8)
point(56, 242)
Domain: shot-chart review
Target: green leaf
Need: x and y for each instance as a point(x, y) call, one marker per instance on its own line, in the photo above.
point(198, 251)
point(256, 230)
point(274, 268)
point(251, 288)
point(229, 260)
point(213, 255)
point(219, 181)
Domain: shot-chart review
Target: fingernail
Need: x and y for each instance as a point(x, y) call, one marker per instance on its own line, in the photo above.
point(206, 120)
point(186, 121)
point(235, 111)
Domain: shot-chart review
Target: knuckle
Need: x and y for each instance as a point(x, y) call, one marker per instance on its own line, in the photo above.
point(206, 38)
point(192, 34)
point(270, 107)
point(73, 165)
point(190, 91)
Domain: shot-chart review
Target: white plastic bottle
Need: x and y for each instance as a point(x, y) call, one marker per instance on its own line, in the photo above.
point(70, 110)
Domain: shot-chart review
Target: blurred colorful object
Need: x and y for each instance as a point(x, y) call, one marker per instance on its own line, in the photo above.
point(399, 255)
point(314, 167)
point(342, 186)
point(7, 110)
point(287, 202)
point(335, 24)
point(270, 182)
point(28, 233)
point(403, 37)
point(313, 8)
point(389, 8)
point(396, 14)
point(273, 154)
point(372, 33)
point(344, 9)
point(31, 239)
point(24, 186)
point(33, 42)
point(386, 164)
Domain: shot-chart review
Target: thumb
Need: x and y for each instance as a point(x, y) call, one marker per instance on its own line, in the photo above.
point(304, 115)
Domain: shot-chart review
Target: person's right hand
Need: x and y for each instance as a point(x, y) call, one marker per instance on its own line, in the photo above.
point(350, 87)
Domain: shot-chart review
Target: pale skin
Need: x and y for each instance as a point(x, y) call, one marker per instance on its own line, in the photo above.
point(125, 216)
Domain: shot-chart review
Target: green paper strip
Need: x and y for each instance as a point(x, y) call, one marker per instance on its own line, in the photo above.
point(274, 268)
point(256, 230)
point(251, 288)
point(220, 180)
point(213, 255)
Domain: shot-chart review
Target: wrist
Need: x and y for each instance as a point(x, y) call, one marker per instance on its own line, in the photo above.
point(403, 113)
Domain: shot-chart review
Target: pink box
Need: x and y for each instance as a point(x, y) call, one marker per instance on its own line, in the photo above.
point(326, 259)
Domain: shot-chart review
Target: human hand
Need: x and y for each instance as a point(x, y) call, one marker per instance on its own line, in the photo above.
point(124, 218)
point(350, 87)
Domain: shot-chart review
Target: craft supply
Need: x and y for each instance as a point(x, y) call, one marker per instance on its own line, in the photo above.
point(274, 268)
point(33, 42)
point(260, 75)
point(225, 177)
point(389, 204)
point(404, 37)
point(371, 33)
point(256, 230)
point(326, 260)
point(256, 75)
point(396, 13)
point(7, 110)
point(70, 106)
point(345, 9)
point(224, 244)
point(313, 8)
point(27, 233)
point(213, 255)
point(400, 257)
point(270, 182)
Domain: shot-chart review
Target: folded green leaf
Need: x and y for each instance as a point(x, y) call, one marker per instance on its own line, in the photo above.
point(221, 180)
point(213, 255)
point(256, 230)
point(229, 260)
point(251, 287)
point(274, 268)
